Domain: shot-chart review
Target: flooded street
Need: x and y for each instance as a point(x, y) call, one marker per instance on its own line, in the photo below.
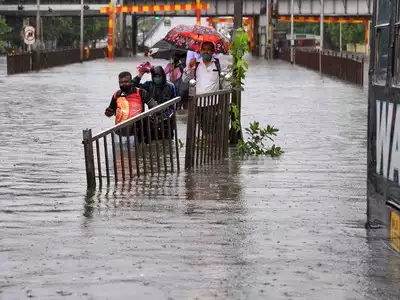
point(260, 228)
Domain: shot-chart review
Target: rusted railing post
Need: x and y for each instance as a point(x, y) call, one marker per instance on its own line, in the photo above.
point(191, 125)
point(89, 158)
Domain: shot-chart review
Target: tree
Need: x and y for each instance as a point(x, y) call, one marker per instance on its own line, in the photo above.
point(351, 33)
point(66, 30)
point(95, 29)
point(5, 30)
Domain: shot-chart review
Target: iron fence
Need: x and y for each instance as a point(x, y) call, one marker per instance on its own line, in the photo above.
point(345, 66)
point(148, 144)
point(29, 61)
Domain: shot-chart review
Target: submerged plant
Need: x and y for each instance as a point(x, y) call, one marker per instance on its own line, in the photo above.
point(256, 143)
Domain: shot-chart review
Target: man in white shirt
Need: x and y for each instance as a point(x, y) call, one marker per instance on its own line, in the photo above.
point(206, 70)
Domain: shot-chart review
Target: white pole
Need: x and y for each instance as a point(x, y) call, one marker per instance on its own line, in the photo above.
point(267, 31)
point(82, 26)
point(321, 42)
point(340, 36)
point(291, 32)
point(38, 31)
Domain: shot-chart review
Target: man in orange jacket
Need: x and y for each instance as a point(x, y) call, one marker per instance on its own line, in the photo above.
point(128, 101)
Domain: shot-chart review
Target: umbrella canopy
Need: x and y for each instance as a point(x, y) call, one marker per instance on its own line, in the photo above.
point(164, 50)
point(190, 37)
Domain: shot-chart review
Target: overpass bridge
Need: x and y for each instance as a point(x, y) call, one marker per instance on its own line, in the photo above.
point(280, 10)
point(217, 7)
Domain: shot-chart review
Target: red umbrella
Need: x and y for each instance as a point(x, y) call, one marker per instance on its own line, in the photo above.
point(190, 37)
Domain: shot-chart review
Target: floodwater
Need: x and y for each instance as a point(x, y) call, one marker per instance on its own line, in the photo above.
point(259, 228)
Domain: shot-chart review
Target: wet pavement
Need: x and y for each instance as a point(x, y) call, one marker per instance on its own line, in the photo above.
point(260, 228)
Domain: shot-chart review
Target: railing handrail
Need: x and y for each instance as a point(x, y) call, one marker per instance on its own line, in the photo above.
point(136, 118)
point(352, 56)
point(219, 92)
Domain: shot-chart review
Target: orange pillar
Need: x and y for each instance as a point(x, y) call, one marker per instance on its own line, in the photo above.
point(110, 48)
point(251, 33)
point(366, 30)
point(198, 10)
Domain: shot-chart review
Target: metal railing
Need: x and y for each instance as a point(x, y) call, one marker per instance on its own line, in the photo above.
point(345, 66)
point(148, 144)
point(28, 61)
point(207, 134)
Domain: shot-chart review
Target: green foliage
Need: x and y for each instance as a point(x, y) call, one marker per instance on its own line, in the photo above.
point(351, 33)
point(256, 141)
point(66, 30)
point(306, 28)
point(95, 29)
point(235, 117)
point(5, 30)
point(239, 47)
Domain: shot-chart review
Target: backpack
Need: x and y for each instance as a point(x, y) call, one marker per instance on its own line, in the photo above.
point(173, 88)
point(218, 67)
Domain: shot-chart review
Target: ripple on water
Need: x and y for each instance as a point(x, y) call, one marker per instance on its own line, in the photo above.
point(289, 228)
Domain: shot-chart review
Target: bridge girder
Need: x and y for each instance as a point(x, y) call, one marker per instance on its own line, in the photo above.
point(331, 7)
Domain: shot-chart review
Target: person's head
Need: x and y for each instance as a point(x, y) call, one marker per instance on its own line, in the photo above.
point(125, 81)
point(158, 75)
point(207, 50)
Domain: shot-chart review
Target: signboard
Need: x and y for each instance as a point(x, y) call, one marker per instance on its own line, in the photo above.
point(29, 35)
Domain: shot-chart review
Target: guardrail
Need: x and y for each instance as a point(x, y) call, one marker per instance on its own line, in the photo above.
point(207, 134)
point(151, 136)
point(148, 144)
point(28, 61)
point(345, 66)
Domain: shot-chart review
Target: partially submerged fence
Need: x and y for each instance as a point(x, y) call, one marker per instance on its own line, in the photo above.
point(348, 67)
point(29, 61)
point(148, 144)
point(207, 134)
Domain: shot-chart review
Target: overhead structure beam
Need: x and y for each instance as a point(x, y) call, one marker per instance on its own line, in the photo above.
point(316, 19)
point(154, 8)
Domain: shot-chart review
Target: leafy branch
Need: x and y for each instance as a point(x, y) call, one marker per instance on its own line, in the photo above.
point(4, 32)
point(239, 47)
point(256, 143)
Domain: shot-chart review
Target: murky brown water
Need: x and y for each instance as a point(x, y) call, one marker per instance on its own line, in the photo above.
point(286, 228)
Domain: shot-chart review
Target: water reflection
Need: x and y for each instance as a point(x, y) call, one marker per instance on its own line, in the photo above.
point(383, 266)
point(193, 225)
point(213, 182)
point(286, 228)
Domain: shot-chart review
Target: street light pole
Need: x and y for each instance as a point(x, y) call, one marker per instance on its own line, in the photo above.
point(38, 34)
point(292, 32)
point(321, 36)
point(82, 26)
point(267, 31)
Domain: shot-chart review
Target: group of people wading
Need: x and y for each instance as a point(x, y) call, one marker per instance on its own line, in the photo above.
point(132, 96)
